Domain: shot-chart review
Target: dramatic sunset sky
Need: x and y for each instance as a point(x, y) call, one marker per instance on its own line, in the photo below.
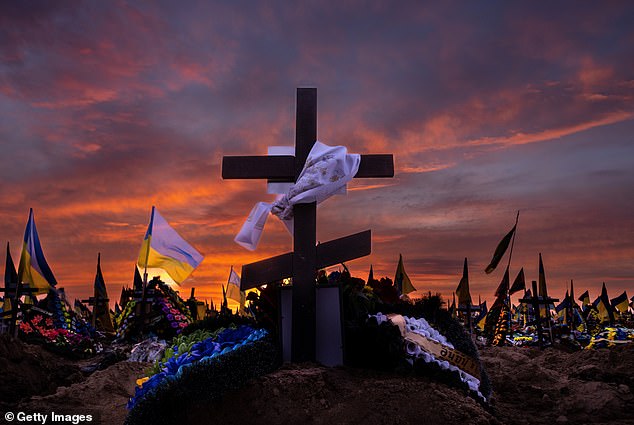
point(108, 108)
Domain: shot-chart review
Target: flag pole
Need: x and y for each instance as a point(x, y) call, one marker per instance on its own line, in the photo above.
point(508, 268)
point(513, 239)
point(147, 258)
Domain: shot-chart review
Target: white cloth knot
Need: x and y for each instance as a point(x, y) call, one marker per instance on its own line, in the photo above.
point(327, 171)
point(282, 208)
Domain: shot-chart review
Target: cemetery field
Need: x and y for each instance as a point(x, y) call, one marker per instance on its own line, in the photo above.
point(530, 387)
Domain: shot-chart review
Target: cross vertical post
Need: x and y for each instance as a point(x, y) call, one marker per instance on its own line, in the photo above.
point(537, 301)
point(304, 236)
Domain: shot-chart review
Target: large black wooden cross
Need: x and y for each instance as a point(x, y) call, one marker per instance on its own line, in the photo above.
point(306, 258)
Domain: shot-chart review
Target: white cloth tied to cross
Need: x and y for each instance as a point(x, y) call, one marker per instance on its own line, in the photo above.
point(327, 171)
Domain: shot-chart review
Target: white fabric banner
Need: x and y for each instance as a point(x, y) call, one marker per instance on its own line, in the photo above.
point(327, 171)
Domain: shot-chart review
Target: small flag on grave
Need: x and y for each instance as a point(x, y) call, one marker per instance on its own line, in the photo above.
point(585, 299)
point(620, 303)
point(519, 284)
point(33, 269)
point(480, 321)
point(500, 250)
point(137, 284)
point(562, 308)
point(401, 280)
point(163, 248)
point(101, 309)
point(233, 289)
point(604, 307)
point(464, 296)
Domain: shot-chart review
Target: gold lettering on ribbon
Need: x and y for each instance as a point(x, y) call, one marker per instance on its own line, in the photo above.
point(438, 350)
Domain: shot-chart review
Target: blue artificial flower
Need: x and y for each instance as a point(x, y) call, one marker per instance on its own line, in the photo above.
point(210, 348)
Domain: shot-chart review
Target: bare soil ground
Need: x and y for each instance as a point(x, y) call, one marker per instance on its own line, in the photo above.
point(530, 387)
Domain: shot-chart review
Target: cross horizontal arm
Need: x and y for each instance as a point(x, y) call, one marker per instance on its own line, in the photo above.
point(281, 167)
point(328, 254)
point(376, 165)
point(344, 249)
point(266, 271)
point(278, 167)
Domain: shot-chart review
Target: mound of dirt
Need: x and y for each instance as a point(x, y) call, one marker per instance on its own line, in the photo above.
point(532, 386)
point(104, 394)
point(28, 370)
point(309, 393)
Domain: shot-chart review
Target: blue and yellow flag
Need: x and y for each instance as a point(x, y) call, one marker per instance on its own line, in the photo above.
point(563, 308)
point(585, 299)
point(604, 307)
point(166, 250)
point(620, 303)
point(480, 321)
point(233, 290)
point(401, 280)
point(33, 269)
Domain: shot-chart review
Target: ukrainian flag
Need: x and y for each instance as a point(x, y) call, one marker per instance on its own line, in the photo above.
point(585, 299)
point(480, 321)
point(620, 303)
point(562, 309)
point(604, 307)
point(33, 269)
point(166, 250)
point(401, 280)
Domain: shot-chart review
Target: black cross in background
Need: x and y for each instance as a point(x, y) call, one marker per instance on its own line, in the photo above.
point(307, 257)
point(15, 294)
point(536, 301)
